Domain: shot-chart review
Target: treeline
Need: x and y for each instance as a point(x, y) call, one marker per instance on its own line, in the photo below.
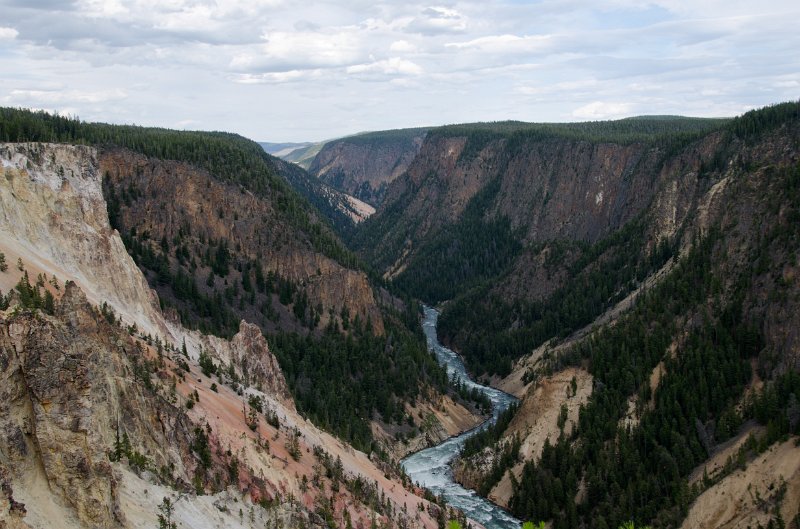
point(383, 136)
point(479, 324)
point(667, 131)
point(757, 122)
point(228, 157)
point(343, 382)
point(462, 255)
point(491, 434)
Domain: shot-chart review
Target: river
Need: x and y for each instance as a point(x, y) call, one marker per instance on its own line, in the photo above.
point(431, 467)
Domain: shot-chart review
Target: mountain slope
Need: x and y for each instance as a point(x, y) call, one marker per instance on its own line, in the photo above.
point(221, 242)
point(365, 164)
point(108, 408)
point(639, 274)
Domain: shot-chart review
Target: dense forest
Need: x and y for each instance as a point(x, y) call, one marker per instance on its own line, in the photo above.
point(463, 254)
point(643, 473)
point(603, 274)
point(341, 382)
point(669, 132)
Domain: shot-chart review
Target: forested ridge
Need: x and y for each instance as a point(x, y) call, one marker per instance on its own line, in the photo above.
point(712, 321)
point(229, 157)
point(603, 275)
point(700, 322)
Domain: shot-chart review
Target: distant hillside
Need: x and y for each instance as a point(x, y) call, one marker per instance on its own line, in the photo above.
point(365, 164)
point(282, 149)
point(303, 156)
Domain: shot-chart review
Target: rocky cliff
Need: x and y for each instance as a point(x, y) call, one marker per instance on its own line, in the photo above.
point(53, 217)
point(364, 165)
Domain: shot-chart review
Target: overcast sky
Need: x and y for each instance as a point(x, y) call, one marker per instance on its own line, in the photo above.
point(284, 70)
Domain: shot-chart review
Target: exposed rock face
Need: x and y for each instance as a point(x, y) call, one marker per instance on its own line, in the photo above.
point(363, 166)
point(66, 388)
point(536, 422)
point(749, 497)
point(436, 419)
point(745, 201)
point(248, 352)
point(72, 381)
point(52, 213)
point(174, 199)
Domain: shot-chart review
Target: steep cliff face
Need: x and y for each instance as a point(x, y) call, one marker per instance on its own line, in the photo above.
point(106, 411)
point(548, 189)
point(363, 166)
point(53, 217)
point(717, 318)
point(92, 417)
point(196, 215)
point(67, 387)
point(247, 352)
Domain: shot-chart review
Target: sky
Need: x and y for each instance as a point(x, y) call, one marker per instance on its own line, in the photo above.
point(285, 70)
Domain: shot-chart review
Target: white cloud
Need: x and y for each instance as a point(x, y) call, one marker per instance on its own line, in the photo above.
point(393, 66)
point(436, 19)
point(8, 33)
point(281, 69)
point(284, 51)
point(602, 110)
point(402, 46)
point(50, 97)
point(291, 76)
point(505, 44)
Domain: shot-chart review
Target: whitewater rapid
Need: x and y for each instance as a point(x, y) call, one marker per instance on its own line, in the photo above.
point(431, 467)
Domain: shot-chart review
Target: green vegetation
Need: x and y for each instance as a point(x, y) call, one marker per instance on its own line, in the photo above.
point(756, 122)
point(122, 448)
point(490, 435)
point(462, 255)
point(342, 382)
point(313, 190)
point(228, 157)
point(643, 473)
point(31, 297)
point(668, 132)
point(383, 136)
point(166, 509)
point(602, 275)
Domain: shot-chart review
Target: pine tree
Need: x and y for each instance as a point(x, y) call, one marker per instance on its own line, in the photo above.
point(166, 508)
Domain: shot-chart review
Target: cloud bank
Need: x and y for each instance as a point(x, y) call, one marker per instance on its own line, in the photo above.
point(289, 70)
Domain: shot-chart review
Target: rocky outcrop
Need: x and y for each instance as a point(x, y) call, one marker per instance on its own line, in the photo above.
point(436, 418)
point(67, 390)
point(53, 216)
point(248, 352)
point(363, 166)
point(82, 386)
